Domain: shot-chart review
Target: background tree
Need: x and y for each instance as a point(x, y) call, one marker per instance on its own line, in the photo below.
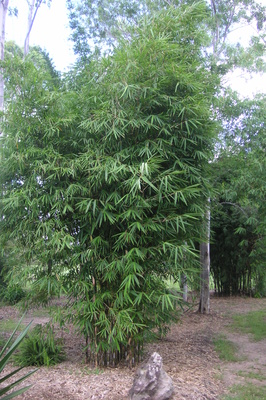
point(99, 24)
point(204, 303)
point(238, 249)
point(27, 80)
point(33, 7)
point(3, 13)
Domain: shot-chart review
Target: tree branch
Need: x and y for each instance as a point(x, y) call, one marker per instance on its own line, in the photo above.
point(235, 205)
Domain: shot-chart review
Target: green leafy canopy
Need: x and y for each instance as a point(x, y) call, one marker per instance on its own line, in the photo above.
point(105, 185)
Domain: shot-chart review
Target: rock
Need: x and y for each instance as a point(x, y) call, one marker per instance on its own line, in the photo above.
point(151, 381)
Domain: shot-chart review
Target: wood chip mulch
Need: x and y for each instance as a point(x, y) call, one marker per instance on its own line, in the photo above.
point(188, 357)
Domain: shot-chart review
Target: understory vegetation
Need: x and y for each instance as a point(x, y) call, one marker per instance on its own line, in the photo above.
point(6, 353)
point(40, 348)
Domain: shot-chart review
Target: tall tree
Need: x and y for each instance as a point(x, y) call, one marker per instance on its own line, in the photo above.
point(238, 249)
point(204, 303)
point(99, 24)
point(108, 182)
point(33, 7)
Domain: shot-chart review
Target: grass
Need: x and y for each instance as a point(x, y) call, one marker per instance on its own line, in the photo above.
point(246, 392)
point(253, 323)
point(227, 350)
point(252, 375)
point(9, 325)
point(90, 371)
point(43, 312)
point(2, 341)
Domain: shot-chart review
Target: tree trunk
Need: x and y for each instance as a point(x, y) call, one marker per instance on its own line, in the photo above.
point(31, 17)
point(204, 305)
point(3, 12)
point(184, 286)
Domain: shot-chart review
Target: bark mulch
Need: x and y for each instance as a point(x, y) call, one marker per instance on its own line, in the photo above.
point(187, 351)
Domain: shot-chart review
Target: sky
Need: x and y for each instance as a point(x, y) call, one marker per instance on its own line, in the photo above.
point(51, 32)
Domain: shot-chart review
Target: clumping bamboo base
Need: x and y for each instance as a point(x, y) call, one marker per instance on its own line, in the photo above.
point(128, 356)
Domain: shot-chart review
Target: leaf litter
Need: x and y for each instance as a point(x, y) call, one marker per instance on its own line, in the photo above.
point(187, 351)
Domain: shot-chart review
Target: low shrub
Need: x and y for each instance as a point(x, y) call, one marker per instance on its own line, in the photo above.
point(40, 348)
point(12, 294)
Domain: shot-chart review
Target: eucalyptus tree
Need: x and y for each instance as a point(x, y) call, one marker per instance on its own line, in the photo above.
point(33, 7)
point(228, 53)
point(99, 24)
point(3, 14)
point(224, 58)
point(104, 183)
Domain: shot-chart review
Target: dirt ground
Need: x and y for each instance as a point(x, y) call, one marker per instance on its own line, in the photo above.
point(188, 357)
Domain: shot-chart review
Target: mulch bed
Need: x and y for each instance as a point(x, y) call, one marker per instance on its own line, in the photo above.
point(187, 352)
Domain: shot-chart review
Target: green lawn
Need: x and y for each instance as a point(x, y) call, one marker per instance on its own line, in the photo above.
point(247, 392)
point(253, 323)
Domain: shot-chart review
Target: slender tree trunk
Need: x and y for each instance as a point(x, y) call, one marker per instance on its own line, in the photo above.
point(184, 286)
point(31, 17)
point(204, 305)
point(3, 12)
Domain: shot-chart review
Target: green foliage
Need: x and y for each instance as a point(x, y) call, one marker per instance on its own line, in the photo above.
point(42, 61)
point(5, 355)
point(253, 323)
point(12, 294)
point(238, 250)
point(238, 210)
point(2, 267)
point(97, 26)
point(40, 348)
point(104, 185)
point(144, 194)
point(104, 174)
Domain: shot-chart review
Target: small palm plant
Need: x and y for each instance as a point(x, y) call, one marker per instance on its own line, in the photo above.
point(5, 355)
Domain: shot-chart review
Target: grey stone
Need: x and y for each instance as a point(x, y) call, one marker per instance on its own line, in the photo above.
point(151, 381)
